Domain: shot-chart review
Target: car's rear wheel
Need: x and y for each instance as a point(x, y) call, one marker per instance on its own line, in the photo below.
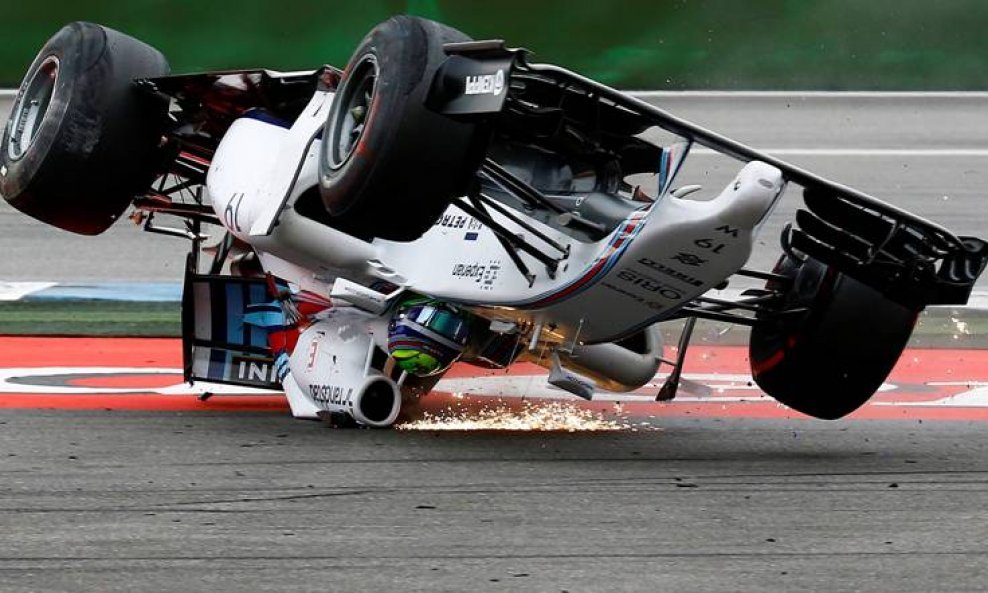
point(389, 166)
point(82, 140)
point(832, 352)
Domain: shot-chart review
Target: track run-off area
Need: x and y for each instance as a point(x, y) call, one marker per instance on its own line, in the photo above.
point(115, 476)
point(146, 374)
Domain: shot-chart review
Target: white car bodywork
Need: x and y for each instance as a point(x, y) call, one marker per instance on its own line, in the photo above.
point(662, 256)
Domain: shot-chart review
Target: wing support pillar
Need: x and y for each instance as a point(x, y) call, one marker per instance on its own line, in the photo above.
point(671, 385)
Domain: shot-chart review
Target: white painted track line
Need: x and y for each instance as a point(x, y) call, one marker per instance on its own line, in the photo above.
point(865, 152)
point(822, 94)
point(777, 94)
point(15, 291)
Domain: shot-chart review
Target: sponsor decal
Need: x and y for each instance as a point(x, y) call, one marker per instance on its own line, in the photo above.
point(459, 221)
point(475, 271)
point(260, 371)
point(471, 236)
point(483, 274)
point(649, 284)
point(689, 259)
point(485, 84)
point(671, 272)
point(332, 394)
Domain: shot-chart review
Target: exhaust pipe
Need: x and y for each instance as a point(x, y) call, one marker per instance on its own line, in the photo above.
point(378, 402)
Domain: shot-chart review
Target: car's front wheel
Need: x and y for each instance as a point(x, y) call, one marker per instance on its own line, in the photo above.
point(390, 166)
point(834, 347)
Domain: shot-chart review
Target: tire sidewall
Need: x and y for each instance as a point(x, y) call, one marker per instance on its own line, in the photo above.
point(98, 144)
point(410, 162)
point(396, 45)
point(73, 58)
point(829, 360)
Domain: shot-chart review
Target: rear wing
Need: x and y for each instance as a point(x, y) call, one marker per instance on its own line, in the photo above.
point(218, 345)
point(909, 259)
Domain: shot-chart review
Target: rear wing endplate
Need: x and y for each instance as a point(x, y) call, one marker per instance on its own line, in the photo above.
point(218, 345)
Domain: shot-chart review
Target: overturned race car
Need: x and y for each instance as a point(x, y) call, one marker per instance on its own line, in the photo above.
point(442, 200)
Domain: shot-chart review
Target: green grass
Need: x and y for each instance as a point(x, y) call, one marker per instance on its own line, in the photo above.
point(674, 44)
point(91, 318)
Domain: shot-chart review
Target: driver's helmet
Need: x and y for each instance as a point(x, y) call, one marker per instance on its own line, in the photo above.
point(426, 338)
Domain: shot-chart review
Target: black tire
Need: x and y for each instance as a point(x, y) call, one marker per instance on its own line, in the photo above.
point(77, 159)
point(828, 361)
point(394, 176)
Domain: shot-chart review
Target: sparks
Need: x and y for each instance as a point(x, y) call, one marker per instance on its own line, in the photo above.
point(532, 416)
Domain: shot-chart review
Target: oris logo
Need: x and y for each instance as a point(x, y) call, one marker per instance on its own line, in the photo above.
point(485, 84)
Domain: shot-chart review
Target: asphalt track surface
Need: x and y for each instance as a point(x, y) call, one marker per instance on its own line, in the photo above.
point(924, 152)
point(157, 491)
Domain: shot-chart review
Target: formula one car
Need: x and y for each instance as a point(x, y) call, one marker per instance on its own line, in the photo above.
point(441, 200)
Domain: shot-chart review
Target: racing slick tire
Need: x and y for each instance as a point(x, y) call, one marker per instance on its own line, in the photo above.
point(82, 139)
point(389, 166)
point(827, 358)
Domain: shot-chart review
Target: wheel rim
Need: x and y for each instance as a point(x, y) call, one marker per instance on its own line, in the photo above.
point(355, 102)
point(31, 107)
